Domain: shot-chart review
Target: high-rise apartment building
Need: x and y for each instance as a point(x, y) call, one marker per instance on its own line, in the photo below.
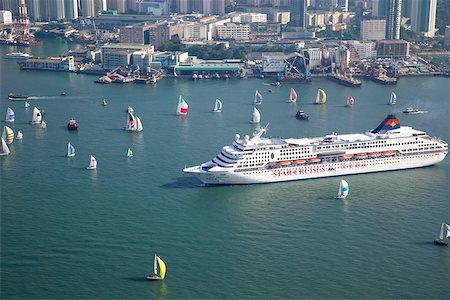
point(393, 18)
point(119, 5)
point(379, 8)
point(423, 16)
point(71, 9)
point(298, 14)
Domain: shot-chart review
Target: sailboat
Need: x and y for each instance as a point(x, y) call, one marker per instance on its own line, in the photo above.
point(92, 163)
point(129, 153)
point(321, 97)
point(256, 117)
point(182, 108)
point(9, 115)
point(4, 150)
point(8, 135)
point(19, 135)
point(158, 263)
point(393, 99)
point(70, 150)
point(292, 96)
point(104, 102)
point(133, 123)
point(258, 98)
point(37, 116)
point(444, 235)
point(350, 101)
point(26, 104)
point(217, 106)
point(343, 190)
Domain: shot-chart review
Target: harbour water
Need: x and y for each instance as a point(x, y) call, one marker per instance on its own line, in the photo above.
point(67, 232)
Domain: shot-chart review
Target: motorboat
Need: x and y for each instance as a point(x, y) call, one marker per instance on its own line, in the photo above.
point(411, 111)
point(301, 115)
point(12, 96)
point(72, 125)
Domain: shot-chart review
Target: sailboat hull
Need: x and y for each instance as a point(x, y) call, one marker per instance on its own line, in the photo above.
point(153, 277)
point(441, 242)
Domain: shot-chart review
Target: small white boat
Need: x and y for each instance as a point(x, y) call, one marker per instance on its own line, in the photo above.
point(9, 115)
point(343, 190)
point(19, 135)
point(182, 108)
point(321, 97)
point(8, 135)
point(104, 102)
point(4, 150)
point(70, 150)
point(444, 235)
point(92, 163)
point(256, 116)
point(217, 106)
point(393, 99)
point(292, 96)
point(37, 116)
point(26, 104)
point(129, 153)
point(158, 263)
point(350, 101)
point(258, 98)
point(411, 111)
point(43, 125)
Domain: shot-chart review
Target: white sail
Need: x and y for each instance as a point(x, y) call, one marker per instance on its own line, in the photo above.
point(43, 125)
point(37, 116)
point(258, 98)
point(8, 135)
point(4, 150)
point(139, 126)
point(292, 96)
point(9, 115)
point(217, 106)
point(256, 117)
point(129, 153)
point(343, 189)
point(131, 122)
point(155, 266)
point(26, 104)
point(182, 108)
point(393, 99)
point(92, 163)
point(70, 150)
point(19, 135)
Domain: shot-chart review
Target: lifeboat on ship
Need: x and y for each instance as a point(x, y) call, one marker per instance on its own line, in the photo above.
point(299, 161)
point(345, 156)
point(374, 154)
point(314, 160)
point(272, 165)
point(361, 155)
point(284, 163)
point(389, 153)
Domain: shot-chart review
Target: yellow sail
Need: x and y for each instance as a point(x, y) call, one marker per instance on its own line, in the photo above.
point(8, 135)
point(162, 267)
point(324, 96)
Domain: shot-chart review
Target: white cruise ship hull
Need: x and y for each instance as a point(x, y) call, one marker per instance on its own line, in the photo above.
point(319, 170)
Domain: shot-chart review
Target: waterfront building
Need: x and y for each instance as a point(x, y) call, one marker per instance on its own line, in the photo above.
point(118, 5)
point(116, 58)
point(253, 18)
point(153, 7)
point(51, 64)
point(423, 16)
point(393, 19)
point(447, 37)
point(169, 59)
point(373, 30)
point(298, 14)
point(361, 50)
point(134, 34)
point(233, 31)
point(5, 17)
point(393, 48)
point(315, 57)
point(158, 34)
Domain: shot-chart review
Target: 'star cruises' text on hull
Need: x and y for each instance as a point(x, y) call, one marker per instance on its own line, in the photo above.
point(262, 160)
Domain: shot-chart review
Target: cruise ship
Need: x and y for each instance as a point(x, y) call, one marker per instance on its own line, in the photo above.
point(258, 159)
